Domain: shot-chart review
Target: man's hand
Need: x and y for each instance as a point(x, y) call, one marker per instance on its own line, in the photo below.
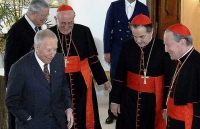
point(107, 86)
point(115, 108)
point(164, 115)
point(107, 57)
point(70, 118)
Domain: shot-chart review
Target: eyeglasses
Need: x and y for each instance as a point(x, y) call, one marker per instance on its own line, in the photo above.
point(141, 37)
point(66, 23)
point(43, 15)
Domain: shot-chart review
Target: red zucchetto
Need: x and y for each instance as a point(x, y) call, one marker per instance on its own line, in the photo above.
point(64, 7)
point(141, 20)
point(179, 29)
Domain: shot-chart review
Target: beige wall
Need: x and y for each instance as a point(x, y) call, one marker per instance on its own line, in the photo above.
point(190, 16)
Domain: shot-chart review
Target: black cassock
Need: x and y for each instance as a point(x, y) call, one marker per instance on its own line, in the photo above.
point(184, 102)
point(138, 108)
point(83, 46)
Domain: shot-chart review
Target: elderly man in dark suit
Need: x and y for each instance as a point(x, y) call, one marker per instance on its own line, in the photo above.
point(116, 30)
point(40, 99)
point(20, 38)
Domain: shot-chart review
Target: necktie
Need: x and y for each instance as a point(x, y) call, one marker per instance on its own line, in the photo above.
point(36, 29)
point(129, 11)
point(46, 73)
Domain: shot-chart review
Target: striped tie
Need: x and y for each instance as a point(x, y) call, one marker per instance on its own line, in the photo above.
point(46, 73)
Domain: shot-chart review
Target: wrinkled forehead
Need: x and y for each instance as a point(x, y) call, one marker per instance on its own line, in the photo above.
point(69, 14)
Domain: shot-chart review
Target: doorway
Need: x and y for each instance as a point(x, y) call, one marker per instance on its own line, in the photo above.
point(164, 13)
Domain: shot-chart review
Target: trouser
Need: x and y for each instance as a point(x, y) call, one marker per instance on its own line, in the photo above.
point(112, 73)
point(55, 124)
point(11, 121)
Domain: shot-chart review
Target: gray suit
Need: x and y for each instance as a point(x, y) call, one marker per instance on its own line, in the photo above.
point(29, 93)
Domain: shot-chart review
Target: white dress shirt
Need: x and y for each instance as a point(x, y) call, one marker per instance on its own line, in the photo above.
point(129, 8)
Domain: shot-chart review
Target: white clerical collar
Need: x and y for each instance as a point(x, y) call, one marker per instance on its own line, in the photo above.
point(185, 53)
point(30, 22)
point(41, 63)
point(132, 4)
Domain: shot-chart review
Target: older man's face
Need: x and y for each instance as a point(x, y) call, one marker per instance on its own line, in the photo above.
point(172, 47)
point(47, 50)
point(41, 16)
point(65, 21)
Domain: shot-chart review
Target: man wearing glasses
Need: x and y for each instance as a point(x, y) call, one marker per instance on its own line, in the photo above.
point(136, 97)
point(20, 38)
point(77, 45)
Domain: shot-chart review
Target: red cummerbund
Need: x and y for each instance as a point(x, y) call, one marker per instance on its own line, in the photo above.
point(73, 64)
point(175, 112)
point(136, 82)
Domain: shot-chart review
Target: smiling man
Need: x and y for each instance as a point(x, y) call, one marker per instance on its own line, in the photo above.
point(38, 94)
point(20, 38)
point(183, 98)
point(138, 83)
point(76, 43)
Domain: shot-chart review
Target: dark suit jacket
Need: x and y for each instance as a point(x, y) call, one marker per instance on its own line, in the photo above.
point(29, 93)
point(19, 41)
point(116, 28)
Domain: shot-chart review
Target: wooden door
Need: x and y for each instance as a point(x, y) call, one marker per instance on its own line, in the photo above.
point(164, 13)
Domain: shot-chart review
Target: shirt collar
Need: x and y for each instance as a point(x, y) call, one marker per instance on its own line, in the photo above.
point(132, 4)
point(40, 62)
point(186, 53)
point(30, 22)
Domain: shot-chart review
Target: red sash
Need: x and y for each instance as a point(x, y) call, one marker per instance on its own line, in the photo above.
point(154, 85)
point(182, 113)
point(75, 65)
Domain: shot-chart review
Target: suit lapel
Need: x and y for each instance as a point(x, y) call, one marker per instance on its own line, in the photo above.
point(28, 27)
point(38, 73)
point(123, 16)
point(28, 30)
point(53, 73)
point(122, 9)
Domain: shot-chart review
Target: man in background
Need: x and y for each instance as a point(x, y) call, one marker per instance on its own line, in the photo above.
point(20, 38)
point(76, 43)
point(38, 94)
point(116, 30)
point(183, 98)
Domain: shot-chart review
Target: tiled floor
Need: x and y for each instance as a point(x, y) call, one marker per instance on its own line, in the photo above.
point(102, 97)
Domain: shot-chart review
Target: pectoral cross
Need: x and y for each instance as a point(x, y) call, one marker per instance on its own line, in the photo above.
point(145, 76)
point(66, 62)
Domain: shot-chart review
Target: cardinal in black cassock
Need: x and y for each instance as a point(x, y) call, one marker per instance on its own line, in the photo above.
point(183, 97)
point(139, 80)
point(76, 43)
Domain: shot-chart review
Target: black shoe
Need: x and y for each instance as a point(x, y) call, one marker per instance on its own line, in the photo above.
point(109, 120)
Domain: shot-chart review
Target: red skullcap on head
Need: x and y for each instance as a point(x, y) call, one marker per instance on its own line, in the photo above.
point(64, 7)
point(179, 29)
point(141, 20)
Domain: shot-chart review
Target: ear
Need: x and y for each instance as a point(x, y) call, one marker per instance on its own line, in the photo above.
point(36, 47)
point(34, 12)
point(183, 42)
point(152, 32)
